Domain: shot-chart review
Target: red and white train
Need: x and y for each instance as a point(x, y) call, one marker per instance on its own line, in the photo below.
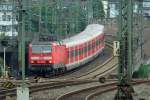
point(56, 57)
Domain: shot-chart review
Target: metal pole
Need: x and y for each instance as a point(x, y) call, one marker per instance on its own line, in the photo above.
point(77, 7)
point(23, 50)
point(40, 18)
point(90, 11)
point(4, 71)
point(108, 10)
point(130, 39)
point(23, 91)
point(141, 27)
point(19, 36)
point(12, 26)
point(59, 21)
point(46, 17)
point(29, 16)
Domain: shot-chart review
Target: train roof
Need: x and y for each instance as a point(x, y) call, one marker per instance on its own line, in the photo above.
point(91, 31)
point(40, 43)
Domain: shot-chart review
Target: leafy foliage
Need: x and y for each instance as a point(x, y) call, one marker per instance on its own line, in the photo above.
point(98, 9)
point(70, 17)
point(143, 70)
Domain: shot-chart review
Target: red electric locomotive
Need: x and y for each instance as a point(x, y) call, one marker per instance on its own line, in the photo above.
point(54, 57)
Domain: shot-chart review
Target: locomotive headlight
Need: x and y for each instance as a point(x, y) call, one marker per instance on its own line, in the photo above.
point(47, 58)
point(34, 58)
point(50, 61)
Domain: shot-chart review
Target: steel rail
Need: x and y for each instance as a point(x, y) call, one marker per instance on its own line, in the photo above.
point(90, 92)
point(45, 86)
point(107, 89)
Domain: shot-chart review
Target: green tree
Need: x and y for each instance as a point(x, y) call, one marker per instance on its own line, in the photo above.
point(69, 17)
point(98, 9)
point(143, 70)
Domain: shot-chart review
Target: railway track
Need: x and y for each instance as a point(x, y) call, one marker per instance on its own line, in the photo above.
point(102, 70)
point(43, 86)
point(89, 93)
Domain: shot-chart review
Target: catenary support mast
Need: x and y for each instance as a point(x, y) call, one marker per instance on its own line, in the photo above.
point(23, 90)
point(125, 58)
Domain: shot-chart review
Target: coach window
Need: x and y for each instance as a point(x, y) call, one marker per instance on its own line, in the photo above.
point(93, 45)
point(81, 50)
point(103, 38)
point(89, 47)
point(76, 52)
point(97, 41)
point(71, 53)
point(84, 49)
point(68, 53)
point(100, 40)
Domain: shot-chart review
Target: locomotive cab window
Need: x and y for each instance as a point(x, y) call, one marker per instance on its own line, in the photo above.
point(41, 48)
